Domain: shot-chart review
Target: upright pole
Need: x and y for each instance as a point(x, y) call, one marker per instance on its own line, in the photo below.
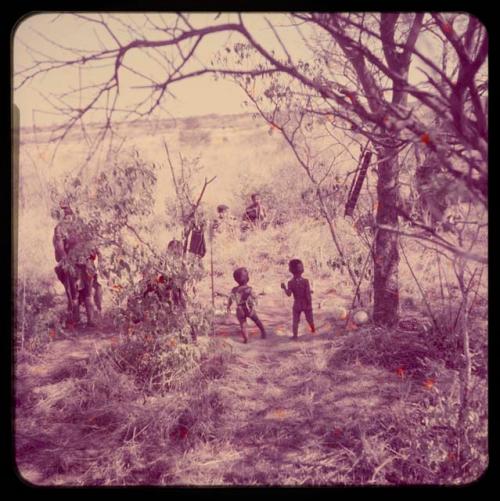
point(212, 268)
point(211, 238)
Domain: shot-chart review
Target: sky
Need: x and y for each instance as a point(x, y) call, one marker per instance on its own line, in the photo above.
point(49, 35)
point(199, 96)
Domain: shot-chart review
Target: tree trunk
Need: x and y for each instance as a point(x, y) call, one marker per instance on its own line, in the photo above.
point(386, 255)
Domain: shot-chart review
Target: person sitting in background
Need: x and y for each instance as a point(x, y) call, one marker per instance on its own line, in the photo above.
point(224, 220)
point(255, 213)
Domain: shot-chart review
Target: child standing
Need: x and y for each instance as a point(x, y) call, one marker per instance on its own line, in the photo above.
point(302, 301)
point(245, 301)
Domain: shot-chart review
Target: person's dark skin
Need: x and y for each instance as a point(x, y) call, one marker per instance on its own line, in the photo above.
point(256, 202)
point(243, 291)
point(89, 281)
point(301, 290)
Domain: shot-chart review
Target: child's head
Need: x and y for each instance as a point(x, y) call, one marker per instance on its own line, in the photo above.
point(296, 267)
point(255, 198)
point(241, 276)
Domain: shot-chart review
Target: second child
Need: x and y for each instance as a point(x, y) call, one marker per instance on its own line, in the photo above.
point(302, 300)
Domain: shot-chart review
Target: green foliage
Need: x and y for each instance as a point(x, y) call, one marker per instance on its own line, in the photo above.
point(334, 198)
point(116, 205)
point(164, 297)
point(153, 301)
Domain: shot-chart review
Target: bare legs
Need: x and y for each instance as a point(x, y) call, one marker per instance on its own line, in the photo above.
point(296, 318)
point(258, 323)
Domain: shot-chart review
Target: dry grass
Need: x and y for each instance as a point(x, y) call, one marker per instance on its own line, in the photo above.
point(99, 428)
point(360, 407)
point(324, 411)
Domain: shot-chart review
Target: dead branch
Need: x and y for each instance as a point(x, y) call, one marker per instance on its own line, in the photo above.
point(424, 297)
point(449, 247)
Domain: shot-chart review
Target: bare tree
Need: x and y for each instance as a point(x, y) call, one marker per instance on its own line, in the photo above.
point(189, 208)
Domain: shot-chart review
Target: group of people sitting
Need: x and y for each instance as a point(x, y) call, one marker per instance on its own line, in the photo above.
point(255, 215)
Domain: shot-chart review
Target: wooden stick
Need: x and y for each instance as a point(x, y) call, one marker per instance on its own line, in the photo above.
point(440, 280)
point(477, 290)
point(463, 299)
point(212, 264)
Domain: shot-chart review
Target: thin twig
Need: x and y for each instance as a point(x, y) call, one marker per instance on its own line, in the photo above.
point(370, 253)
point(421, 290)
point(134, 231)
point(467, 289)
point(477, 290)
point(380, 467)
point(440, 280)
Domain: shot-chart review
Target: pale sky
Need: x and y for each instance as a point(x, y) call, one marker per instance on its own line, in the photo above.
point(48, 34)
point(199, 96)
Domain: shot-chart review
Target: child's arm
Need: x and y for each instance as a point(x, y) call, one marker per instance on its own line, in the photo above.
point(253, 298)
point(229, 302)
point(286, 289)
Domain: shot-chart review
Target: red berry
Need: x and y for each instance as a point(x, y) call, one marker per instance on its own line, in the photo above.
point(426, 139)
point(447, 28)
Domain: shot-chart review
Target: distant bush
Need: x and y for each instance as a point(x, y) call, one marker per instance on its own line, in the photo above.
point(195, 137)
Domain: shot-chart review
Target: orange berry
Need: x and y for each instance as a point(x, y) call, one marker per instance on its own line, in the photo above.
point(425, 138)
point(429, 383)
